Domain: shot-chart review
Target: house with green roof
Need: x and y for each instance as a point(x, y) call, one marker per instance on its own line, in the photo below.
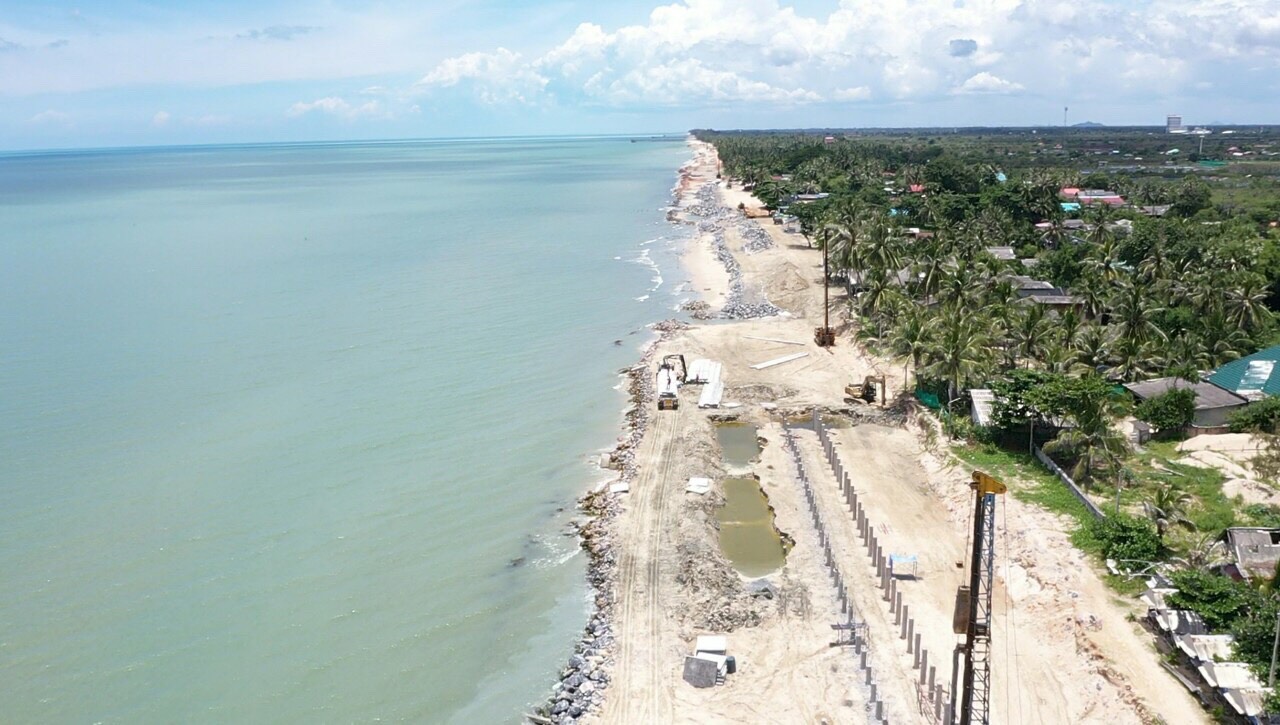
point(1254, 377)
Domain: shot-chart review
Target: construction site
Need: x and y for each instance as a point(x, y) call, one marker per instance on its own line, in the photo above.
point(788, 541)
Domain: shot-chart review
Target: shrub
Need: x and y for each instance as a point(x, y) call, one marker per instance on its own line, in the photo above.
point(1260, 417)
point(1219, 600)
point(1124, 537)
point(1168, 411)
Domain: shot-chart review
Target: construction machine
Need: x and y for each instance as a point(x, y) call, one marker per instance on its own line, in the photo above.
point(971, 665)
point(672, 373)
point(867, 390)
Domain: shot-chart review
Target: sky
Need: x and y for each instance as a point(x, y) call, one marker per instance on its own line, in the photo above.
point(132, 73)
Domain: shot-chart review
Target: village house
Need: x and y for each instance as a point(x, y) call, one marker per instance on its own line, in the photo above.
point(1256, 551)
point(1252, 377)
point(1044, 293)
point(1213, 404)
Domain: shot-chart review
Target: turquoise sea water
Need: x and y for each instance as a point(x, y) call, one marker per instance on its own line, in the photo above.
point(293, 433)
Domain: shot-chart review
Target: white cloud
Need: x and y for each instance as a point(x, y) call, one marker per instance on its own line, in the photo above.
point(51, 117)
point(335, 106)
point(688, 82)
point(501, 76)
point(984, 82)
point(699, 52)
point(859, 93)
point(160, 119)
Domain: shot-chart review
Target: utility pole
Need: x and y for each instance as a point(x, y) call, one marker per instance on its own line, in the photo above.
point(824, 336)
point(972, 616)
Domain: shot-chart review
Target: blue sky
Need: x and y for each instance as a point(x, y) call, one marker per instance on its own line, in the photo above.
point(124, 72)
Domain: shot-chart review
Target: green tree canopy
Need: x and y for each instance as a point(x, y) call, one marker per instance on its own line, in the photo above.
point(1168, 411)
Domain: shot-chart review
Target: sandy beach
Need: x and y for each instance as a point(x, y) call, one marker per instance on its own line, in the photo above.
point(1066, 649)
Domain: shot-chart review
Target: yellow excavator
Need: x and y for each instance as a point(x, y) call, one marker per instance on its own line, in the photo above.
point(866, 391)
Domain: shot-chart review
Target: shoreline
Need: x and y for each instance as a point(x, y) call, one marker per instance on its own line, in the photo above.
point(721, 291)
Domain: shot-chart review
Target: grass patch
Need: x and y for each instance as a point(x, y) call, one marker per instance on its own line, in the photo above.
point(1029, 481)
point(1026, 478)
point(1128, 586)
point(1210, 509)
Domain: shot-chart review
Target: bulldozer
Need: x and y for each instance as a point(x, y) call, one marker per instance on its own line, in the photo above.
point(866, 391)
point(672, 373)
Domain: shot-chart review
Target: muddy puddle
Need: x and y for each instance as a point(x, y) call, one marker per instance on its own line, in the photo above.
point(738, 444)
point(748, 537)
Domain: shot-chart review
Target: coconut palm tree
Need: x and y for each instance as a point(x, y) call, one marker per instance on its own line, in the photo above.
point(1207, 552)
point(1220, 340)
point(911, 338)
point(1032, 331)
point(1091, 293)
point(1068, 326)
point(1094, 441)
point(1133, 358)
point(959, 350)
point(879, 293)
point(1168, 507)
point(1246, 303)
point(1132, 312)
point(1092, 347)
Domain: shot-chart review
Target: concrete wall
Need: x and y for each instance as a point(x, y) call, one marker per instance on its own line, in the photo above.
point(1213, 417)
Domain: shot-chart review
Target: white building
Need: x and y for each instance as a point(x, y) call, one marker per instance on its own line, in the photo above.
point(1173, 124)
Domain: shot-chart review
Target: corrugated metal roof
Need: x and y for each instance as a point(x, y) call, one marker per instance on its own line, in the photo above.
point(1208, 395)
point(1245, 376)
point(983, 405)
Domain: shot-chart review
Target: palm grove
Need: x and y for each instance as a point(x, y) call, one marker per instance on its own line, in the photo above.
point(908, 223)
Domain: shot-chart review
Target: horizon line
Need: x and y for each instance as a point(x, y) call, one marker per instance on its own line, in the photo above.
point(1081, 126)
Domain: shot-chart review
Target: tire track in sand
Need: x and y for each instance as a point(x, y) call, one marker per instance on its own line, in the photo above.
point(638, 694)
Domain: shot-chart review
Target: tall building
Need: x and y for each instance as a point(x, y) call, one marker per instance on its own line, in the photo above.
point(1174, 124)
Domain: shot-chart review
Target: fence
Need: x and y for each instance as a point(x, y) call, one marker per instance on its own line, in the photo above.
point(1089, 505)
point(933, 699)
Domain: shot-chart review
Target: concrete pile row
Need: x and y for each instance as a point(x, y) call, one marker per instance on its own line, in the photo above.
point(854, 624)
point(933, 698)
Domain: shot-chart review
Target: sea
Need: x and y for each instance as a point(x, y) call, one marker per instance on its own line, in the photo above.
point(294, 433)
